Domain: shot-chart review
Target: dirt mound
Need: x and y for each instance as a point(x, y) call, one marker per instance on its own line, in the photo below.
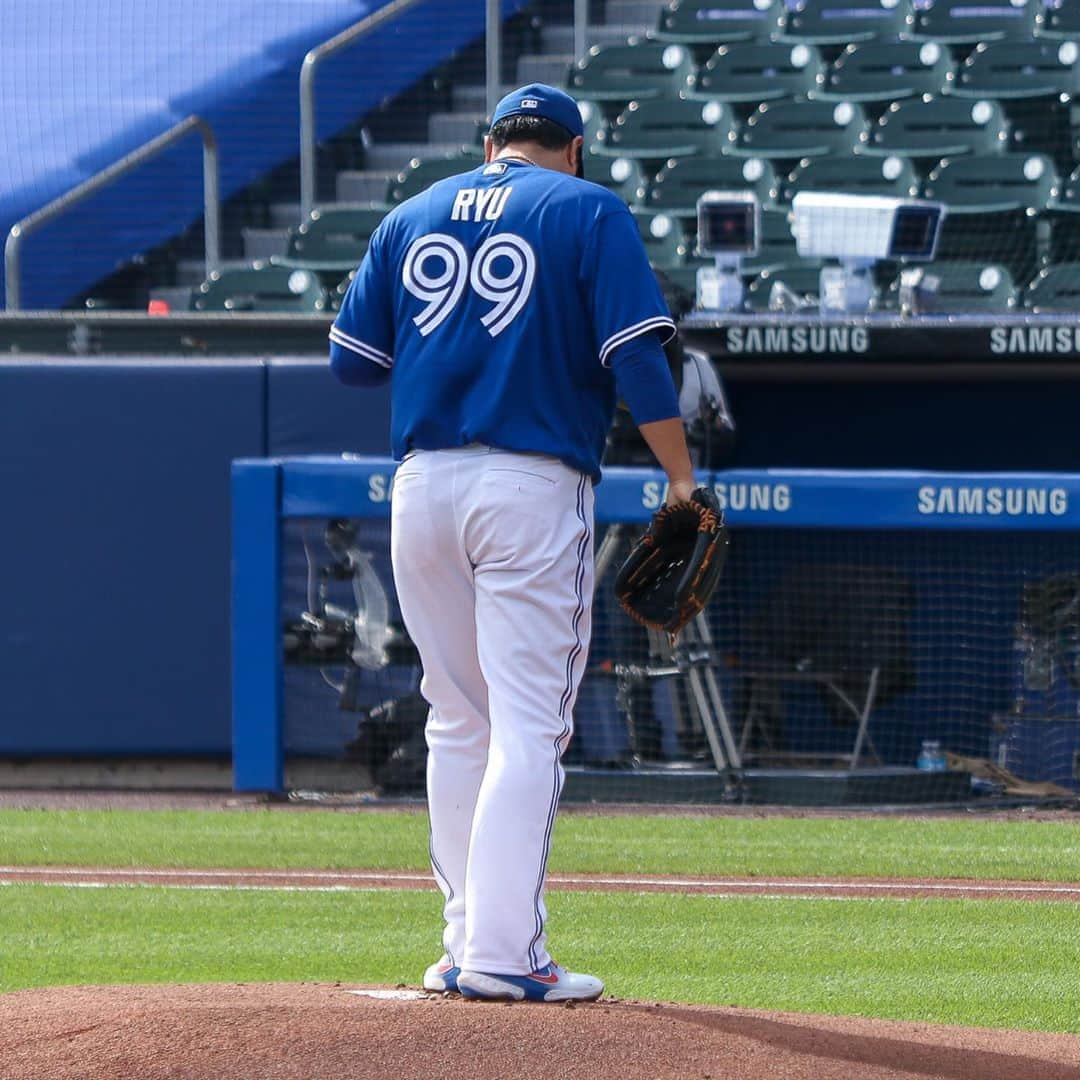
point(305, 1030)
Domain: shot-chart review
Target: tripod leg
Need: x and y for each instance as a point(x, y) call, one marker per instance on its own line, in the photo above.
point(717, 717)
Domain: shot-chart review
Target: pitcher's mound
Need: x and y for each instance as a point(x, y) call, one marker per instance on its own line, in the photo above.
point(315, 1030)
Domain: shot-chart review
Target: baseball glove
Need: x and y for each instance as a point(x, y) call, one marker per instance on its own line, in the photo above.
point(674, 568)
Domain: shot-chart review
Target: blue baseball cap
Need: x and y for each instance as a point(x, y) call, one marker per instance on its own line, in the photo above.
point(539, 99)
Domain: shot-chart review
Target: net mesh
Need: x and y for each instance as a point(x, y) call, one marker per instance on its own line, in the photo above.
point(970, 641)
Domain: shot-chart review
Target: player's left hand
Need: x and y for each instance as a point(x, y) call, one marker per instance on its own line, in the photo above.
point(680, 492)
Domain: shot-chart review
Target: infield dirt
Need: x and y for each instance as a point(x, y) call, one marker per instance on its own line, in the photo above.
point(311, 1030)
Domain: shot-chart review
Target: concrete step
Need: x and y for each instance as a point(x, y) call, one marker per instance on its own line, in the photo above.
point(560, 39)
point(550, 69)
point(284, 215)
point(193, 271)
point(263, 243)
point(395, 156)
point(454, 127)
point(366, 186)
point(471, 98)
point(632, 12)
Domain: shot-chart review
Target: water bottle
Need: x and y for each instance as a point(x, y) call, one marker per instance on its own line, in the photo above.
point(931, 758)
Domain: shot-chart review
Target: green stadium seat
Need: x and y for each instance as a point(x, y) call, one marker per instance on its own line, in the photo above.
point(260, 287)
point(1020, 69)
point(939, 127)
point(993, 207)
point(1056, 289)
point(892, 176)
point(840, 22)
point(759, 72)
point(703, 22)
point(963, 22)
point(991, 185)
point(333, 240)
point(682, 180)
point(632, 72)
point(1064, 218)
point(1058, 21)
point(776, 246)
point(624, 176)
point(957, 288)
point(421, 173)
point(802, 279)
point(668, 127)
point(593, 121)
point(889, 71)
point(798, 129)
point(664, 238)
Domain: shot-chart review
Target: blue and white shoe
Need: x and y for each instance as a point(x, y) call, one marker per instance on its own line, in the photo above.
point(551, 983)
point(442, 978)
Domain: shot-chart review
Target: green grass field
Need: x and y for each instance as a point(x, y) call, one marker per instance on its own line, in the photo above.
point(649, 844)
point(989, 963)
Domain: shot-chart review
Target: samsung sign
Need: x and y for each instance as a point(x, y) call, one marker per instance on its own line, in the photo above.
point(994, 501)
point(755, 340)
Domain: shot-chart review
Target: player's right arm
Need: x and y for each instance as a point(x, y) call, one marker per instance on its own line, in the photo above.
point(362, 337)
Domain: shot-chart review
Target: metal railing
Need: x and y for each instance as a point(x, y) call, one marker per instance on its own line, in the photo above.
point(351, 35)
point(581, 24)
point(211, 201)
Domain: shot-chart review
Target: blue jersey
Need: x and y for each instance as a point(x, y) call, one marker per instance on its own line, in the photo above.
point(497, 298)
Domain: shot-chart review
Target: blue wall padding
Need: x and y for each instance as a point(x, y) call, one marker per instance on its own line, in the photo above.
point(310, 412)
point(114, 556)
point(83, 84)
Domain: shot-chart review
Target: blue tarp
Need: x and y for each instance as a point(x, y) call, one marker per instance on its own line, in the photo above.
point(82, 84)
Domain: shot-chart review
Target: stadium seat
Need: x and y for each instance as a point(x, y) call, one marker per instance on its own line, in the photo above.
point(1058, 20)
point(703, 22)
point(801, 279)
point(260, 287)
point(333, 240)
point(1055, 289)
point(963, 22)
point(668, 127)
point(759, 72)
point(1020, 69)
point(840, 22)
point(631, 72)
point(421, 173)
point(889, 71)
point(798, 129)
point(776, 246)
point(664, 238)
point(624, 176)
point(956, 288)
point(993, 205)
point(892, 176)
point(939, 127)
point(1064, 218)
point(682, 180)
point(593, 121)
point(996, 184)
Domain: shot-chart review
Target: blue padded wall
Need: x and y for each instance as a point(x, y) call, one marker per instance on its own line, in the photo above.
point(114, 556)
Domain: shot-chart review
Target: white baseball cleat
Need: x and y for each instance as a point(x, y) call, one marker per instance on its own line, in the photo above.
point(551, 983)
point(442, 977)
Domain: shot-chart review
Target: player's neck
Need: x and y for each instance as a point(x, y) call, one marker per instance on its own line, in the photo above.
point(516, 155)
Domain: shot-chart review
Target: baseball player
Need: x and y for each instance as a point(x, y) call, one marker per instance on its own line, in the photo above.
point(510, 305)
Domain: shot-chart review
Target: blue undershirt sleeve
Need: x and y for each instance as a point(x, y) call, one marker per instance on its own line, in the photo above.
point(644, 379)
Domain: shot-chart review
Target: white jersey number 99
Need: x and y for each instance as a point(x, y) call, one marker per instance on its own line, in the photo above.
point(442, 290)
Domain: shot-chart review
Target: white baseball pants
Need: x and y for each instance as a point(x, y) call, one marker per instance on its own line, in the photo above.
point(493, 564)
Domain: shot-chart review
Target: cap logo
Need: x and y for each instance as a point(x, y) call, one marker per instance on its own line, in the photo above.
point(529, 103)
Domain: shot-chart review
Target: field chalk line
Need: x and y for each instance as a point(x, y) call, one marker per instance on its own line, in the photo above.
point(364, 880)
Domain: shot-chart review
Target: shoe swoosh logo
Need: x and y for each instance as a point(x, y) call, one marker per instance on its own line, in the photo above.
point(547, 979)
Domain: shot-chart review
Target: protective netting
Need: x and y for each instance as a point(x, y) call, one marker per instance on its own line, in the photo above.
point(827, 655)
